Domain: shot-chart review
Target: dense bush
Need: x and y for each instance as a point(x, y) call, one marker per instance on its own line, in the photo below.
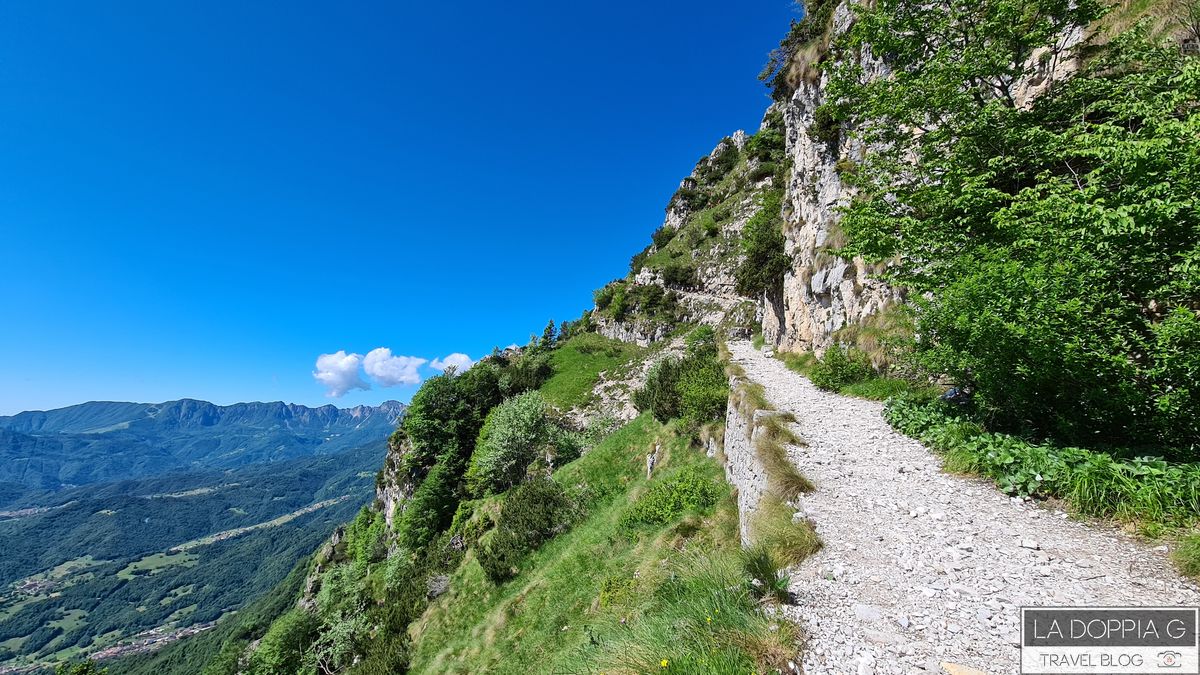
point(768, 145)
point(281, 649)
point(679, 275)
point(765, 261)
point(663, 236)
point(1051, 249)
point(825, 127)
point(515, 434)
point(840, 366)
point(532, 513)
point(690, 197)
point(660, 394)
point(364, 537)
point(693, 388)
point(690, 490)
point(622, 300)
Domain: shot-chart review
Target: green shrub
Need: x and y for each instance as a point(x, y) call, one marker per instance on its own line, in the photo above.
point(825, 127)
point(710, 170)
point(532, 513)
point(761, 171)
point(690, 197)
point(284, 644)
point(679, 275)
point(768, 145)
point(1050, 248)
point(1144, 489)
point(525, 373)
point(703, 390)
point(513, 436)
point(693, 388)
point(841, 366)
point(690, 490)
point(364, 538)
point(765, 261)
point(663, 236)
point(638, 261)
point(604, 296)
point(431, 507)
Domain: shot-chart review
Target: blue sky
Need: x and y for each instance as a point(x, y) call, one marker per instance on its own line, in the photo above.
point(199, 198)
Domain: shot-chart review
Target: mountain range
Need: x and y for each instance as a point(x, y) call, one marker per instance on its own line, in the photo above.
point(108, 440)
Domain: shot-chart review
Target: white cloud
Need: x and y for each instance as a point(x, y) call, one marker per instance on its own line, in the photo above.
point(339, 372)
point(389, 370)
point(458, 360)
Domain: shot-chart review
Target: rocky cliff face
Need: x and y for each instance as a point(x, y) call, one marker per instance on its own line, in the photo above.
point(821, 292)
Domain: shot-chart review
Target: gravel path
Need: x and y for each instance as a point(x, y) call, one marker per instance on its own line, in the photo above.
point(925, 572)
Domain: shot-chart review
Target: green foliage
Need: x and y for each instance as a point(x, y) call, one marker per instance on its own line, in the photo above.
point(1051, 249)
point(710, 170)
point(826, 127)
point(663, 236)
point(516, 432)
point(281, 649)
point(693, 388)
point(691, 490)
point(679, 274)
point(769, 144)
point(364, 538)
point(1144, 489)
point(767, 577)
point(841, 366)
point(690, 196)
point(88, 667)
point(765, 261)
point(1187, 555)
point(432, 505)
point(621, 300)
point(532, 513)
point(660, 394)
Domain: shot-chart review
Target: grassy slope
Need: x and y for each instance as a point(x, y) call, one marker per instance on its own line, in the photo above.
point(578, 363)
point(594, 598)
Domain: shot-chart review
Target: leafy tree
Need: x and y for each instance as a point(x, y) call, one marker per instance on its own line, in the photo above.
point(1051, 247)
point(511, 438)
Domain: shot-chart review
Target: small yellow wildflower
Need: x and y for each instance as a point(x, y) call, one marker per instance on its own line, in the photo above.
point(710, 619)
point(664, 663)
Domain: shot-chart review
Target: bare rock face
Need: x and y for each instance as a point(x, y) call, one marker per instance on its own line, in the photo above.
point(394, 487)
point(822, 292)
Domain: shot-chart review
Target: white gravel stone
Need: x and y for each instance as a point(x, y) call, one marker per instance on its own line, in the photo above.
point(947, 588)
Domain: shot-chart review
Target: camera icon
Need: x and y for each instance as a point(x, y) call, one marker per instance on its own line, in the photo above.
point(1170, 660)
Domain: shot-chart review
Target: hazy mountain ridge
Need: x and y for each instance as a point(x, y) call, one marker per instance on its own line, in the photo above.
point(104, 440)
